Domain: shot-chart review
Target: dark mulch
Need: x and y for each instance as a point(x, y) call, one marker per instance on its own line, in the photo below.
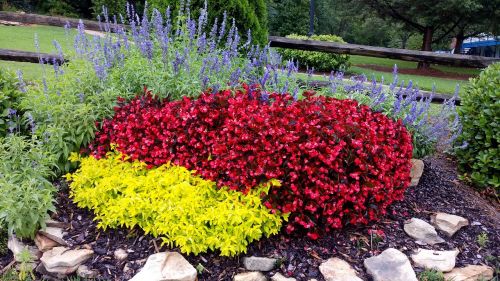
point(438, 190)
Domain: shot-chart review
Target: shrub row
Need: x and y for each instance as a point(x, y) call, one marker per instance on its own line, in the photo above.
point(320, 61)
point(169, 201)
point(338, 161)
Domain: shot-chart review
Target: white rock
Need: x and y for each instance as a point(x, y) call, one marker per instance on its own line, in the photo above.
point(335, 269)
point(449, 224)
point(279, 277)
point(55, 233)
point(443, 261)
point(170, 266)
point(470, 273)
point(84, 272)
point(16, 247)
point(422, 232)
point(64, 257)
point(250, 276)
point(259, 263)
point(417, 169)
point(390, 265)
point(59, 272)
point(120, 254)
point(44, 243)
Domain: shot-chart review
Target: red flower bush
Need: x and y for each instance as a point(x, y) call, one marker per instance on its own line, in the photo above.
point(339, 162)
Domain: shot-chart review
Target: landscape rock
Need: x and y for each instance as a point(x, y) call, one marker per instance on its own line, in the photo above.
point(390, 265)
point(335, 269)
point(56, 224)
point(250, 276)
point(170, 266)
point(470, 273)
point(16, 247)
point(120, 254)
point(279, 277)
point(58, 272)
point(422, 232)
point(61, 257)
point(259, 263)
point(85, 272)
point(44, 243)
point(443, 261)
point(55, 233)
point(449, 224)
point(417, 169)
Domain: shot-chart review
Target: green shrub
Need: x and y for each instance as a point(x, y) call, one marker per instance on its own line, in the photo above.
point(320, 61)
point(249, 15)
point(9, 102)
point(24, 170)
point(115, 7)
point(172, 202)
point(479, 142)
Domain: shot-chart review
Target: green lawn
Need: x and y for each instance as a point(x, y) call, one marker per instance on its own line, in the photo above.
point(23, 38)
point(31, 71)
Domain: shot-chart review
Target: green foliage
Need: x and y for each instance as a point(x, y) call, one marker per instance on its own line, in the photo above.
point(431, 275)
point(9, 100)
point(170, 201)
point(248, 14)
point(24, 170)
point(115, 7)
point(318, 60)
point(480, 112)
point(482, 239)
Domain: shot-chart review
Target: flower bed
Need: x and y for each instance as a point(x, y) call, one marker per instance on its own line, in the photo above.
point(169, 201)
point(338, 161)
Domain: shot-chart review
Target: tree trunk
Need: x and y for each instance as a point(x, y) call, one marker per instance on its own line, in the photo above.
point(426, 46)
point(460, 40)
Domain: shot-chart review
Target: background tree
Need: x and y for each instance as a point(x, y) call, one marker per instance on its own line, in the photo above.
point(434, 20)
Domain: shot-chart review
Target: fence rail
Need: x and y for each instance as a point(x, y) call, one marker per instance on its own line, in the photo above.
point(25, 56)
point(401, 54)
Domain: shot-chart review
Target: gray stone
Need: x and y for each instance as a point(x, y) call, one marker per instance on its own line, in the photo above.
point(443, 261)
point(390, 265)
point(44, 243)
point(335, 269)
point(449, 224)
point(422, 232)
point(55, 233)
point(56, 224)
point(120, 254)
point(470, 273)
point(259, 263)
point(61, 257)
point(17, 247)
point(250, 276)
point(85, 272)
point(164, 266)
point(58, 272)
point(417, 169)
point(279, 277)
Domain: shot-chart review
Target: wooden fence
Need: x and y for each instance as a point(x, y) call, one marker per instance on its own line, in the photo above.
point(401, 54)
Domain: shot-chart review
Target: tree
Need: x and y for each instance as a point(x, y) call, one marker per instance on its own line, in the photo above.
point(435, 20)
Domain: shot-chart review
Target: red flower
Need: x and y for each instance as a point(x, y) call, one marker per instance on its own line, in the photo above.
point(338, 161)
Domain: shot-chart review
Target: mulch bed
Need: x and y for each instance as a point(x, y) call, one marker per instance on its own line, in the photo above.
point(431, 72)
point(438, 190)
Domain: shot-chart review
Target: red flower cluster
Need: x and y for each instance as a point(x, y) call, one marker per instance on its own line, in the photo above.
point(338, 161)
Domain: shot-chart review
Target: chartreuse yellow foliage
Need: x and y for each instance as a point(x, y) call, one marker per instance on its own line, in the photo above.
point(173, 203)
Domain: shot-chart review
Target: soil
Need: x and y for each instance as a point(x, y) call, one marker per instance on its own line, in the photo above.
point(438, 190)
point(431, 72)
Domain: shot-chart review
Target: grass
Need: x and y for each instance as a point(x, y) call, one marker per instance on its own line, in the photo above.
point(23, 38)
point(443, 85)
